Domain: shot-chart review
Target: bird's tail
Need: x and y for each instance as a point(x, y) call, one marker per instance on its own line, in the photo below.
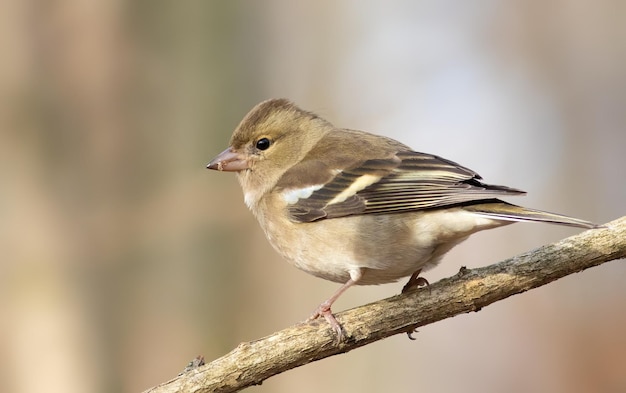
point(499, 210)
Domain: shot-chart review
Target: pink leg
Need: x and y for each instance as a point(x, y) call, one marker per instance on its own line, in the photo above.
point(324, 308)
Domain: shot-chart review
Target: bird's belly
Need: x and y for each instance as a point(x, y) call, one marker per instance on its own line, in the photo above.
point(385, 247)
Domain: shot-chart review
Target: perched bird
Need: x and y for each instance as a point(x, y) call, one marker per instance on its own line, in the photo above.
point(358, 208)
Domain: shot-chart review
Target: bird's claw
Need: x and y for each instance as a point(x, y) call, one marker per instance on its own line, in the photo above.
point(415, 282)
point(324, 311)
point(410, 334)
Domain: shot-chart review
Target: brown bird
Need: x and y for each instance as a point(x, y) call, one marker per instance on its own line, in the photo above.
point(358, 208)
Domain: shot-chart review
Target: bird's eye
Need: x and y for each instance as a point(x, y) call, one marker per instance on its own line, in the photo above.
point(263, 144)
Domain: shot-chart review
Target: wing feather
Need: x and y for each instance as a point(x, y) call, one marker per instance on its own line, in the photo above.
point(408, 181)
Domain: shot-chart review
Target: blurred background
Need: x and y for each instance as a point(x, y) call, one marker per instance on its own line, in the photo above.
point(122, 257)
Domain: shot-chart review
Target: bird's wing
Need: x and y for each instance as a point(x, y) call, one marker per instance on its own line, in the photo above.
point(406, 181)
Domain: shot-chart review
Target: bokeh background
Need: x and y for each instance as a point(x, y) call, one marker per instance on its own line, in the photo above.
point(122, 257)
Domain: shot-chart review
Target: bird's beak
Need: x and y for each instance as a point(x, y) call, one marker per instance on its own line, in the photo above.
point(228, 161)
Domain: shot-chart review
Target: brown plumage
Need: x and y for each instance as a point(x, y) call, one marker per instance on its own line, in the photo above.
point(358, 208)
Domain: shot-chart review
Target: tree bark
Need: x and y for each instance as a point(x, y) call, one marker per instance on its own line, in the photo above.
point(469, 290)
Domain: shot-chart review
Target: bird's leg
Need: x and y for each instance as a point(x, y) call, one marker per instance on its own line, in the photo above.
point(415, 282)
point(324, 310)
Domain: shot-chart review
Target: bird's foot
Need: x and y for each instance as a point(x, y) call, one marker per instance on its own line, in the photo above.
point(410, 334)
point(324, 311)
point(415, 282)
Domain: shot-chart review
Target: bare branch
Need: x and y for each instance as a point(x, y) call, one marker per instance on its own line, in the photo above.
point(469, 290)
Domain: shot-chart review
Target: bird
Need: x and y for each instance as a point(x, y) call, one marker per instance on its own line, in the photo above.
point(357, 208)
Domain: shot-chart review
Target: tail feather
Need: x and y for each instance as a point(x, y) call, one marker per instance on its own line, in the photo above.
point(499, 210)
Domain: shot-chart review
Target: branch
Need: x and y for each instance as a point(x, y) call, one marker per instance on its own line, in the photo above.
point(469, 290)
